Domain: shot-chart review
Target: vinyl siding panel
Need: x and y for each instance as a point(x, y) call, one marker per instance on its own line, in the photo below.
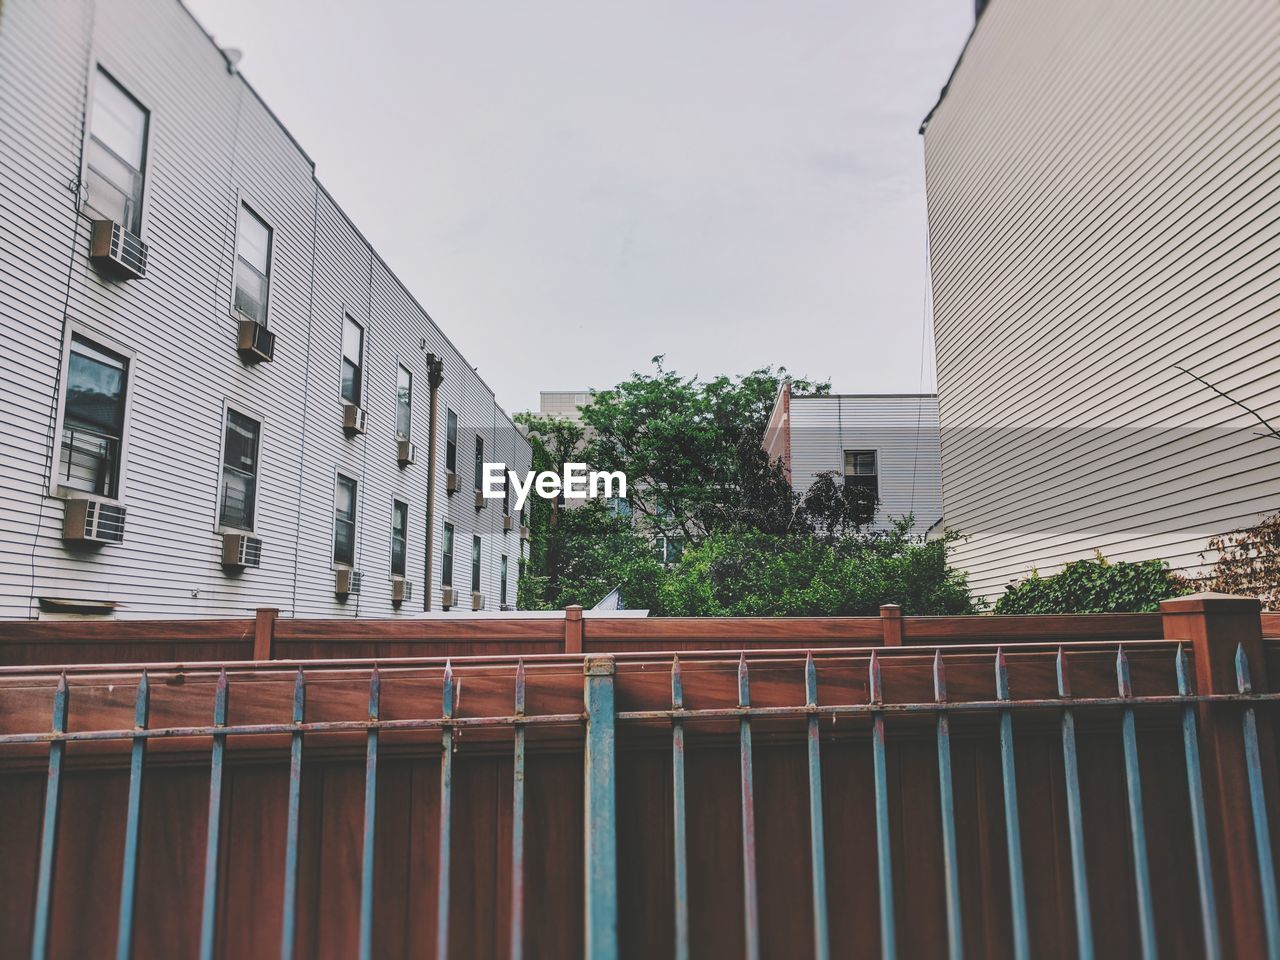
point(902, 430)
point(1103, 208)
point(211, 144)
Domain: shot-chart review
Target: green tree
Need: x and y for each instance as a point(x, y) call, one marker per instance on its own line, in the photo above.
point(1096, 586)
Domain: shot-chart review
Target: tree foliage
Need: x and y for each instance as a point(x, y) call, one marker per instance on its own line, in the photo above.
point(1248, 562)
point(1096, 586)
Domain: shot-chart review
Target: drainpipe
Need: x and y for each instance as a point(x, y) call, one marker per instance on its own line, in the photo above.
point(435, 377)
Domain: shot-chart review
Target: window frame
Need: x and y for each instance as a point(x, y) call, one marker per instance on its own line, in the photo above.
point(53, 487)
point(335, 563)
point(477, 555)
point(451, 441)
point(502, 582)
point(396, 504)
point(408, 434)
point(342, 359)
point(447, 542)
point(875, 458)
point(227, 407)
point(98, 71)
point(479, 466)
point(244, 202)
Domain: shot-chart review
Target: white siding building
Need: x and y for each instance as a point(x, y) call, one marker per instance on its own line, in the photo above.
point(145, 411)
point(888, 442)
point(1102, 182)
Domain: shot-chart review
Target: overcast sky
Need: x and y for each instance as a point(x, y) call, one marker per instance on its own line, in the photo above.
point(573, 187)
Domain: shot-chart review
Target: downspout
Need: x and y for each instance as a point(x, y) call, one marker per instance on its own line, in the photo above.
point(435, 377)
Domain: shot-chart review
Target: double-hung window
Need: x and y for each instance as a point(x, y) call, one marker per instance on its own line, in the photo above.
point(479, 462)
point(253, 265)
point(344, 522)
point(475, 564)
point(446, 556)
point(451, 443)
point(115, 154)
point(93, 419)
point(239, 471)
point(399, 536)
point(352, 359)
point(860, 472)
point(502, 582)
point(404, 402)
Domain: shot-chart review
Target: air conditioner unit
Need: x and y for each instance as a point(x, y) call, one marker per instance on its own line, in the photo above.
point(480, 500)
point(477, 601)
point(448, 597)
point(239, 550)
point(508, 523)
point(117, 251)
point(401, 590)
point(524, 533)
point(346, 582)
point(256, 342)
point(406, 453)
point(352, 419)
point(451, 482)
point(90, 520)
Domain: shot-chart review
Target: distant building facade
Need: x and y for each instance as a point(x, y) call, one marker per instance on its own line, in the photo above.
point(887, 443)
point(564, 404)
point(218, 396)
point(1101, 191)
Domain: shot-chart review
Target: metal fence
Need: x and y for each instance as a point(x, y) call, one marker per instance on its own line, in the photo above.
point(609, 708)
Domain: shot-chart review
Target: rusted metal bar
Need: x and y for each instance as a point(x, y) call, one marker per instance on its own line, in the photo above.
point(517, 824)
point(1258, 808)
point(209, 906)
point(946, 801)
point(370, 821)
point(601, 811)
point(1137, 823)
point(680, 843)
point(817, 846)
point(289, 915)
point(884, 846)
point(1013, 833)
point(49, 827)
point(750, 895)
point(129, 872)
point(444, 860)
point(1199, 820)
point(1075, 817)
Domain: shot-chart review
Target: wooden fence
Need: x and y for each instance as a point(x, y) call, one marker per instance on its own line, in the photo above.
point(994, 787)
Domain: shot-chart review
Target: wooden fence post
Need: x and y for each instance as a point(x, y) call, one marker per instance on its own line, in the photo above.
point(573, 629)
point(264, 632)
point(891, 622)
point(1216, 626)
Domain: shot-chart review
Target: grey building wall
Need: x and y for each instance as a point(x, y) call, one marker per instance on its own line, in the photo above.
point(211, 144)
point(1102, 184)
point(901, 428)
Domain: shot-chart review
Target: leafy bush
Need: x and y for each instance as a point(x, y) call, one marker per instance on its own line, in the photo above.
point(1249, 562)
point(1096, 586)
point(739, 573)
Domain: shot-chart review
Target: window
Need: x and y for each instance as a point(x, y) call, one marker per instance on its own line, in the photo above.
point(506, 492)
point(344, 522)
point(115, 154)
point(404, 402)
point(352, 360)
point(475, 564)
point(446, 558)
point(253, 265)
point(669, 549)
point(93, 419)
point(399, 536)
point(239, 471)
point(502, 582)
point(479, 462)
point(451, 443)
point(618, 507)
point(860, 471)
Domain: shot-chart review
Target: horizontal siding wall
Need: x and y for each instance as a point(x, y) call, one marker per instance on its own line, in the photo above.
point(1102, 183)
point(211, 144)
point(901, 429)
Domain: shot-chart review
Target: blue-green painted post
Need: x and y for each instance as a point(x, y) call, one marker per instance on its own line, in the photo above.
point(601, 811)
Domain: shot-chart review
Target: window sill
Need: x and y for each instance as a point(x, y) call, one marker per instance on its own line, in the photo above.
point(71, 493)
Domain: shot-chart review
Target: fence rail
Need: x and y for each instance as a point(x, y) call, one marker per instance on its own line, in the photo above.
point(1044, 798)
